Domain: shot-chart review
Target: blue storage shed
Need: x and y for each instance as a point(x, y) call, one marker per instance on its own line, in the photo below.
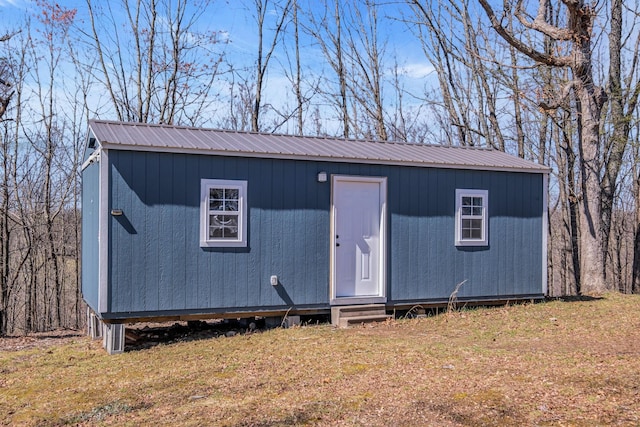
point(188, 223)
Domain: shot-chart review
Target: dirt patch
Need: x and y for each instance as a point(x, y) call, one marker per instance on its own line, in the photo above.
point(147, 335)
point(141, 336)
point(39, 340)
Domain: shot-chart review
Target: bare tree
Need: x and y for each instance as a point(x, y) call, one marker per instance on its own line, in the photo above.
point(241, 92)
point(623, 93)
point(6, 93)
point(327, 30)
point(281, 11)
point(6, 89)
point(439, 51)
point(40, 155)
point(304, 84)
point(300, 100)
point(47, 136)
point(576, 33)
point(635, 275)
point(160, 68)
point(365, 53)
point(473, 72)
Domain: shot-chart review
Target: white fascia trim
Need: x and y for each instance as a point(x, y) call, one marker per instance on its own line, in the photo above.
point(103, 234)
point(372, 161)
point(95, 156)
point(545, 233)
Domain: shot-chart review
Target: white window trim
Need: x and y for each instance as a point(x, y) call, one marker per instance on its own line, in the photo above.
point(241, 186)
point(484, 241)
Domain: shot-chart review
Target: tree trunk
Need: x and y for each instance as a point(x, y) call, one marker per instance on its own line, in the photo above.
point(592, 278)
point(589, 99)
point(341, 74)
point(298, 82)
point(635, 269)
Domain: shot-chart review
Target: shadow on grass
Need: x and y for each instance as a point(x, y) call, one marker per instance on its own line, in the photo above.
point(151, 335)
point(51, 335)
point(575, 298)
point(144, 337)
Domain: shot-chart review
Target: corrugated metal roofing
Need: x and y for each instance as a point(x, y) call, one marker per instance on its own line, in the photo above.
point(150, 137)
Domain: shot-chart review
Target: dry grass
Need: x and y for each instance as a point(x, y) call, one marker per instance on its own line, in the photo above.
point(557, 363)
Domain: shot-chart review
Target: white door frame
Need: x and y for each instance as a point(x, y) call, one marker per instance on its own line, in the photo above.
point(382, 265)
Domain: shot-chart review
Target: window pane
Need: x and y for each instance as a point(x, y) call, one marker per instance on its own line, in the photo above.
point(231, 194)
point(476, 229)
point(216, 205)
point(216, 193)
point(223, 226)
point(224, 199)
point(466, 233)
point(216, 202)
point(466, 201)
point(466, 210)
point(472, 229)
point(231, 206)
point(477, 211)
point(466, 228)
point(477, 201)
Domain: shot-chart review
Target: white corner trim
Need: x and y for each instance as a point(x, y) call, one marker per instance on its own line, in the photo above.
point(545, 233)
point(95, 156)
point(103, 233)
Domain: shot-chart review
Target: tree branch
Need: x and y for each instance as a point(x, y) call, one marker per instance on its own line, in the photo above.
point(558, 101)
point(540, 24)
point(543, 58)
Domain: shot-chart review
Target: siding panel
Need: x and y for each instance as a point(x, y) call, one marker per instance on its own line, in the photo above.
point(90, 229)
point(177, 279)
point(161, 268)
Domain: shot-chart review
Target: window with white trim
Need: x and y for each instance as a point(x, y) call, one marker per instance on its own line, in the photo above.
point(223, 213)
point(472, 222)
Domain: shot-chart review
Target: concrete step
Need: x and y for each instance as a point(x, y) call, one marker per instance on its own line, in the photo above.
point(345, 322)
point(363, 312)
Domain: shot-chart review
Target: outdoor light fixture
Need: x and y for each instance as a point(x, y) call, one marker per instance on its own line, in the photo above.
point(322, 176)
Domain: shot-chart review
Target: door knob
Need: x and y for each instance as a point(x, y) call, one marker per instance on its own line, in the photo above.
point(337, 244)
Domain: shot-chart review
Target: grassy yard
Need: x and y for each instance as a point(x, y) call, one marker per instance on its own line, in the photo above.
point(555, 363)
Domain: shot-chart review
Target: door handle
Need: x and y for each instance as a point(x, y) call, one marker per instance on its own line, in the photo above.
point(337, 244)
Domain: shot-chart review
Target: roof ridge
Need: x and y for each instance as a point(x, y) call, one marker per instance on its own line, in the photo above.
point(284, 135)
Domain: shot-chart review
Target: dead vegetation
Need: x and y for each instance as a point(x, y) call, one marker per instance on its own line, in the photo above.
point(556, 363)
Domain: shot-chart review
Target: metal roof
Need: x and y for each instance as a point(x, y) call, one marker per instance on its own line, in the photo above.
point(150, 137)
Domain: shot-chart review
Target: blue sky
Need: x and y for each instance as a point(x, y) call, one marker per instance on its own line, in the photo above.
point(234, 20)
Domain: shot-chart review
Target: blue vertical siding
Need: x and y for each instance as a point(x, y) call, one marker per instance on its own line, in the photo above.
point(156, 264)
point(90, 227)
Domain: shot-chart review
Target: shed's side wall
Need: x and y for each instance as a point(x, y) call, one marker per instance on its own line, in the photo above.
point(90, 225)
point(156, 264)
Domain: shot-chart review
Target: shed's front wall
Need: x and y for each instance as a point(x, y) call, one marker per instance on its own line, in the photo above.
point(156, 264)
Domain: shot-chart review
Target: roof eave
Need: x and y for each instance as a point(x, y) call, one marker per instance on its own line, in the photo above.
point(321, 158)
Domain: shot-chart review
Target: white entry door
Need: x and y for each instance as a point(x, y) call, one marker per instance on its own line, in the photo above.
point(358, 239)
